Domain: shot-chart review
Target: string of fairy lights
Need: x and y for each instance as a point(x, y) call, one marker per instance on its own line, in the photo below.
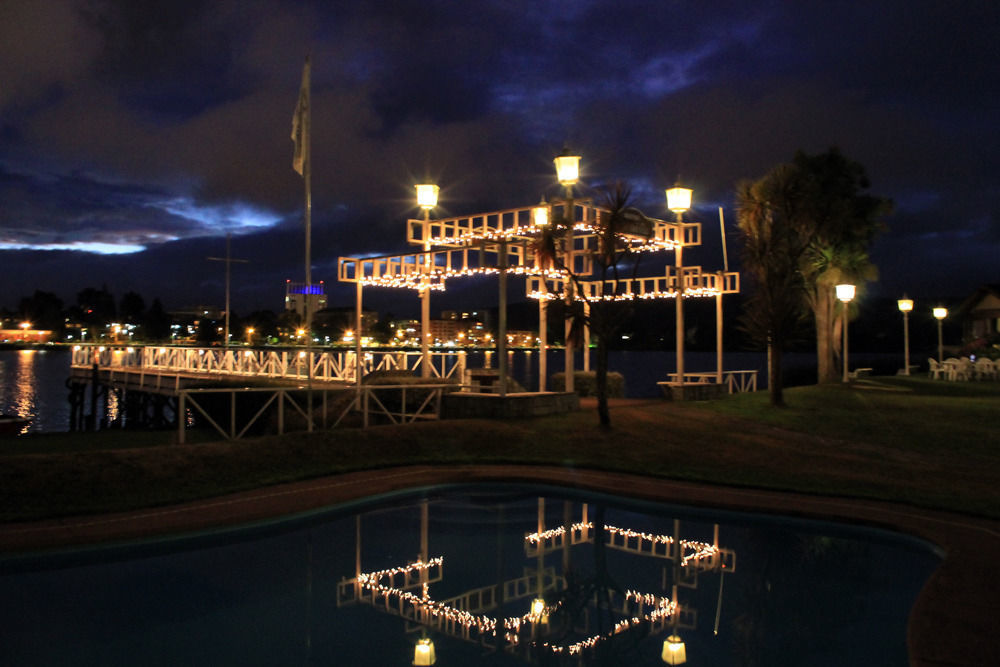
point(420, 271)
point(651, 609)
point(388, 588)
point(699, 551)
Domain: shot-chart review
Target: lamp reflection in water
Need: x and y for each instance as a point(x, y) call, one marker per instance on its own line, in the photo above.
point(423, 654)
point(674, 652)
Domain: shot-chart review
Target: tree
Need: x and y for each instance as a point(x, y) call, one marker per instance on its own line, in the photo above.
point(843, 222)
point(617, 223)
point(156, 323)
point(776, 238)
point(132, 307)
point(44, 310)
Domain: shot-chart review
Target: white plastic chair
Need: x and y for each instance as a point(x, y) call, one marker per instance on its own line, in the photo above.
point(959, 369)
point(985, 368)
point(936, 369)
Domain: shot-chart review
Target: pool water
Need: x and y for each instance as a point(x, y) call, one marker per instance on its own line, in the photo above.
point(748, 590)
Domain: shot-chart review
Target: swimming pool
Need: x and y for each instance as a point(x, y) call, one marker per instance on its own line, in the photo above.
point(361, 585)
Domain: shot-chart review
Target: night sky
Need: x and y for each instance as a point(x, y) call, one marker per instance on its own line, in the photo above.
point(135, 135)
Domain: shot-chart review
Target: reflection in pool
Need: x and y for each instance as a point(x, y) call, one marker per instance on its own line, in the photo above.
point(479, 575)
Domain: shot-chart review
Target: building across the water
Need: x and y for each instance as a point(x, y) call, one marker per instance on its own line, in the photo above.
point(25, 335)
point(297, 295)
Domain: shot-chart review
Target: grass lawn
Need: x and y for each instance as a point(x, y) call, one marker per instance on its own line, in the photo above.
point(910, 440)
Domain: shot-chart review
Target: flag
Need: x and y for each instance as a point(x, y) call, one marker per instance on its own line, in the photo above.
point(300, 124)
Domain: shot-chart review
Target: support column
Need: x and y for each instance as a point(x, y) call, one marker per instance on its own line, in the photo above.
point(502, 321)
point(718, 329)
point(586, 336)
point(425, 332)
point(679, 267)
point(358, 358)
point(543, 334)
point(569, 219)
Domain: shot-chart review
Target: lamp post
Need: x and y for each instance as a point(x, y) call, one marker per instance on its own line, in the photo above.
point(540, 218)
point(905, 306)
point(568, 173)
point(427, 198)
point(845, 293)
point(939, 315)
point(679, 201)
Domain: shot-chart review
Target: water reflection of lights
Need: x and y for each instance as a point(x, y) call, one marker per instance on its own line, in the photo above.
point(691, 550)
point(25, 399)
point(405, 591)
point(648, 608)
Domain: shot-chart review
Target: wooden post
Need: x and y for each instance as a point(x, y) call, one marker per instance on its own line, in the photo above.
point(543, 333)
point(502, 321)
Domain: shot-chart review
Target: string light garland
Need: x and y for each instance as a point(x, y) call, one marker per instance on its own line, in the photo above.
point(652, 609)
point(691, 550)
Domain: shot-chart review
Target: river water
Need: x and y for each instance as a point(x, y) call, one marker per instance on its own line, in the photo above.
point(33, 382)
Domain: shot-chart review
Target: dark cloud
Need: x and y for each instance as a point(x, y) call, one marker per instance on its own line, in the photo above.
point(166, 124)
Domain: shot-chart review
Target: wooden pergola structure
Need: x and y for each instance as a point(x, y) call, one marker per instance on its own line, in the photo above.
point(501, 243)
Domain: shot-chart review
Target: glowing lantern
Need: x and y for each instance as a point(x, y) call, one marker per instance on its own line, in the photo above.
point(537, 613)
point(905, 305)
point(845, 292)
point(940, 313)
point(673, 651)
point(679, 199)
point(427, 196)
point(567, 168)
point(423, 654)
point(540, 214)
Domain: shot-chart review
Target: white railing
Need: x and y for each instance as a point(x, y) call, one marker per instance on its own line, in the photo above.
point(318, 409)
point(736, 381)
point(277, 363)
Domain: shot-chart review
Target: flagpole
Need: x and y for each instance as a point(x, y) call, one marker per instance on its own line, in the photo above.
point(307, 177)
point(302, 163)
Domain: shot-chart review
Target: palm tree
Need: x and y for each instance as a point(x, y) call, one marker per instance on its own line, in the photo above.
point(843, 223)
point(617, 222)
point(775, 240)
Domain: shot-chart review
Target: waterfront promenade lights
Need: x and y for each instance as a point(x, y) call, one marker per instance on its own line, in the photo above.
point(679, 201)
point(568, 173)
point(845, 293)
point(427, 198)
point(905, 306)
point(939, 315)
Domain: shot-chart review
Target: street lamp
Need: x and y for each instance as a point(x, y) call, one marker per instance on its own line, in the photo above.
point(905, 306)
point(845, 293)
point(567, 168)
point(679, 201)
point(568, 173)
point(427, 198)
point(939, 315)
